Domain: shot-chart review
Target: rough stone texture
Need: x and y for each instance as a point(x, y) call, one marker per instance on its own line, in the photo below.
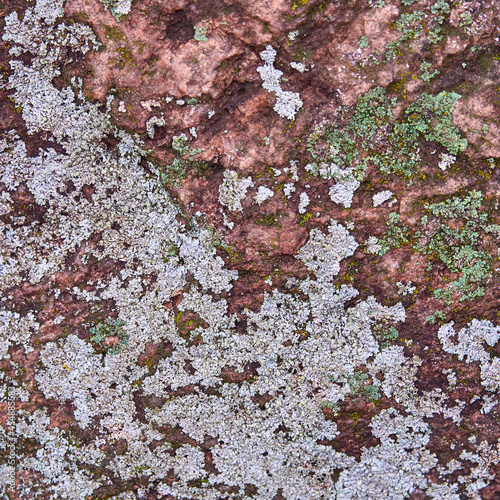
point(170, 330)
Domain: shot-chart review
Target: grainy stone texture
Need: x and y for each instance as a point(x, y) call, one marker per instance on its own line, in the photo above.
point(249, 250)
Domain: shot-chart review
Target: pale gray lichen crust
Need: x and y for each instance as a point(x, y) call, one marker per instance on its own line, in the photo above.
point(305, 345)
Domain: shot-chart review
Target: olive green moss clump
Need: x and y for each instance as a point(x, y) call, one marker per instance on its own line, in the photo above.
point(110, 330)
point(455, 242)
point(431, 116)
point(185, 160)
point(355, 383)
point(423, 26)
point(450, 234)
point(367, 133)
point(397, 235)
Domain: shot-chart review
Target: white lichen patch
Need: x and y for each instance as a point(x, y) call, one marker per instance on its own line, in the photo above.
point(396, 467)
point(288, 189)
point(470, 340)
point(15, 329)
point(303, 202)
point(398, 372)
point(372, 245)
point(489, 402)
point(339, 341)
point(54, 461)
point(470, 343)
point(73, 372)
point(287, 103)
point(150, 125)
point(342, 194)
point(300, 67)
point(229, 224)
point(484, 458)
point(446, 161)
point(323, 253)
point(149, 105)
point(263, 194)
point(233, 190)
point(381, 197)
point(346, 183)
point(405, 289)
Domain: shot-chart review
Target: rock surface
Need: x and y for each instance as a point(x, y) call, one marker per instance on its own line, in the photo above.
point(203, 298)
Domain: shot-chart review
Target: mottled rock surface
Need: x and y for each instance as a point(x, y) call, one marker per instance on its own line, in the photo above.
point(249, 250)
